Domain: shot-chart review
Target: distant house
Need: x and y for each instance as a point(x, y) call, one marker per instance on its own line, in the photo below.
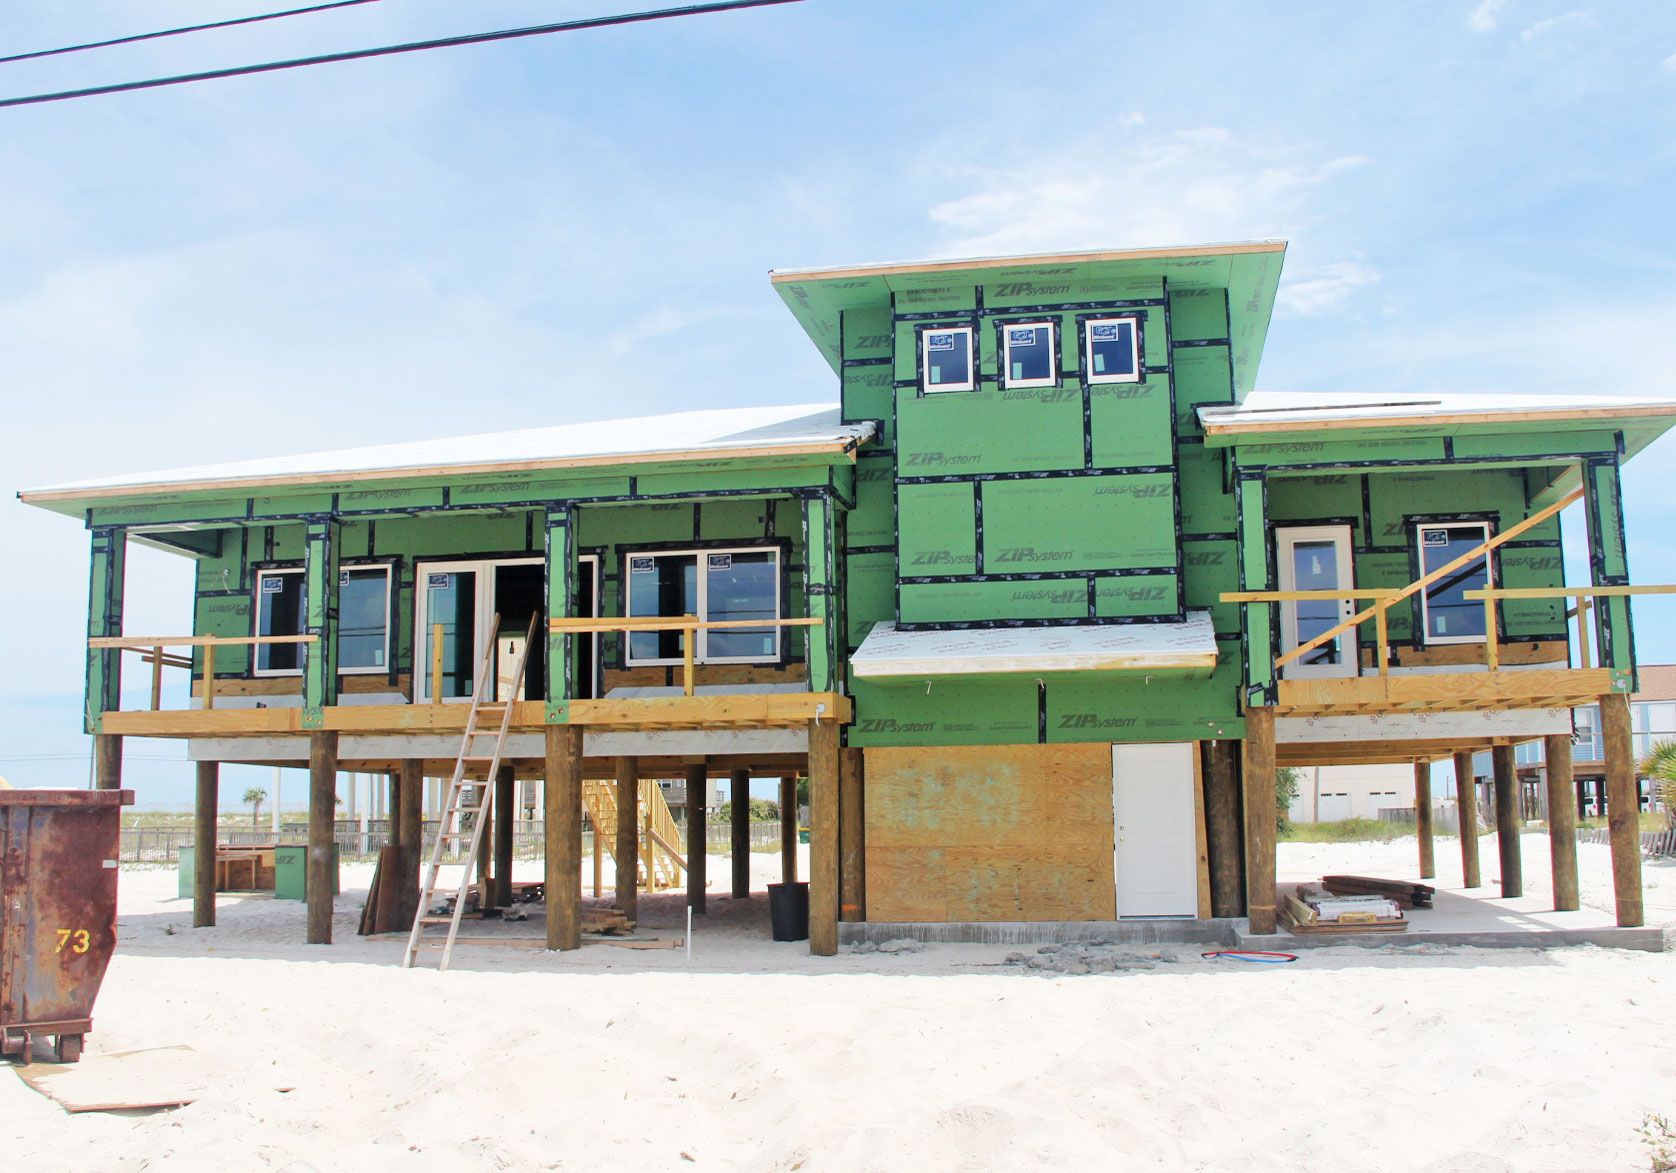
point(1038, 604)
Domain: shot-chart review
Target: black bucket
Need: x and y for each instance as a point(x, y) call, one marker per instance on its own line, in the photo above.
point(788, 909)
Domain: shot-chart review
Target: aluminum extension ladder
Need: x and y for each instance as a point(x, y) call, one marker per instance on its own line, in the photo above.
point(455, 804)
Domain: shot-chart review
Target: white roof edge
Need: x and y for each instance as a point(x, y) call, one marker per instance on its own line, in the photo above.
point(1184, 645)
point(1262, 407)
point(1008, 259)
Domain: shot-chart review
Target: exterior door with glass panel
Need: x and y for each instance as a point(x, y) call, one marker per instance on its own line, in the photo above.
point(1316, 558)
point(447, 596)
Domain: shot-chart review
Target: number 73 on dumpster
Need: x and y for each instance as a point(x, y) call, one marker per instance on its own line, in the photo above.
point(77, 940)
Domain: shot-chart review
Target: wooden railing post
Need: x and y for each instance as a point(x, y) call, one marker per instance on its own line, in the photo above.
point(156, 678)
point(436, 663)
point(209, 676)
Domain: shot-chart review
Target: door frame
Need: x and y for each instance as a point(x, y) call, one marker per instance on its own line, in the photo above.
point(1342, 537)
point(483, 615)
point(1191, 785)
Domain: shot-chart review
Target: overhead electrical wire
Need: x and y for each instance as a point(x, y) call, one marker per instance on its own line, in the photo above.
point(37, 54)
point(538, 30)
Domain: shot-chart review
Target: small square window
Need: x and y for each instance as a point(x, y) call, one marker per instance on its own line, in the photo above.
point(1449, 617)
point(1112, 351)
point(947, 355)
point(1027, 355)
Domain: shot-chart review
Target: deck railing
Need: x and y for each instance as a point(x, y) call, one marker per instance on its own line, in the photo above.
point(151, 650)
point(688, 625)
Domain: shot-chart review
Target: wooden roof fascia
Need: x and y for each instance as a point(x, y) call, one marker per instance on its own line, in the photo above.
point(893, 268)
point(1258, 427)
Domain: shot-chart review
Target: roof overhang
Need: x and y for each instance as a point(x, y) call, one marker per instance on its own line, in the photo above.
point(889, 653)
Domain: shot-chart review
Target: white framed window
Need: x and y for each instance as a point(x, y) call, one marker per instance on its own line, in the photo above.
point(1111, 350)
point(715, 585)
point(1447, 617)
point(363, 619)
point(947, 359)
point(1029, 354)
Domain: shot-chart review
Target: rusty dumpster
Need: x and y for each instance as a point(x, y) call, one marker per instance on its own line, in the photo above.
point(58, 867)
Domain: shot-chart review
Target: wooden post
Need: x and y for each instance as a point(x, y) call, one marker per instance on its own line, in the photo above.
point(1507, 822)
point(107, 761)
point(1562, 820)
point(1222, 829)
point(322, 826)
point(505, 782)
point(599, 861)
point(392, 807)
point(562, 821)
point(823, 838)
point(739, 807)
point(1466, 809)
point(852, 846)
point(788, 829)
point(203, 846)
point(628, 838)
point(1423, 818)
point(409, 815)
point(698, 784)
point(1260, 819)
point(1623, 807)
point(485, 848)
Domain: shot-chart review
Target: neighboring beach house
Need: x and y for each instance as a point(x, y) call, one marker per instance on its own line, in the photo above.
point(1038, 607)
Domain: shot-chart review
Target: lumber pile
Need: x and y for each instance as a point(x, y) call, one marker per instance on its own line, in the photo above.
point(1406, 893)
point(606, 921)
point(1307, 910)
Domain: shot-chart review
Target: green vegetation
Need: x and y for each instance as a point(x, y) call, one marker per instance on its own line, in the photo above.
point(1660, 766)
point(1344, 831)
point(1658, 1133)
point(1285, 790)
point(762, 811)
point(1650, 821)
point(254, 797)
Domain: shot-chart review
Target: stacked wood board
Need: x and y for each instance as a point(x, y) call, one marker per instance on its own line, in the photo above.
point(1407, 893)
point(1305, 911)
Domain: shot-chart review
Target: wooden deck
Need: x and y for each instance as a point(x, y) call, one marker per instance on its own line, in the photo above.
point(1444, 692)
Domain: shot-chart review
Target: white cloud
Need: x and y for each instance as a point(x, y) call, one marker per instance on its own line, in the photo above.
point(1575, 20)
point(1131, 118)
point(1669, 64)
point(1311, 292)
point(1487, 15)
point(660, 322)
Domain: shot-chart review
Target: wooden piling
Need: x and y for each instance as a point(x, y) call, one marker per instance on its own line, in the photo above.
point(739, 808)
point(852, 847)
point(1222, 828)
point(698, 852)
point(823, 838)
point(392, 807)
point(506, 781)
point(107, 761)
point(627, 885)
point(1260, 818)
point(788, 829)
point(1623, 808)
point(562, 829)
point(410, 817)
point(1466, 810)
point(322, 828)
point(1508, 822)
point(1562, 820)
point(1423, 818)
point(204, 836)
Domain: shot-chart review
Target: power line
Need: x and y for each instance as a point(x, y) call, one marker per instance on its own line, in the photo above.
point(567, 26)
point(176, 32)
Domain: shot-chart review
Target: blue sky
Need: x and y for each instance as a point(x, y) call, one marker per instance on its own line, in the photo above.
point(1477, 193)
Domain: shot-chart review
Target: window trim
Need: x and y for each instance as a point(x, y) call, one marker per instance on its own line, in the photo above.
point(1088, 374)
point(1427, 639)
point(971, 383)
point(1052, 378)
point(701, 648)
point(343, 568)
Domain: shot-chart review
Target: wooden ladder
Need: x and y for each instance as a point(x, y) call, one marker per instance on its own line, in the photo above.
point(455, 804)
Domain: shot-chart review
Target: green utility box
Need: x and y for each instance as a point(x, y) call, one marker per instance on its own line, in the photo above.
point(291, 872)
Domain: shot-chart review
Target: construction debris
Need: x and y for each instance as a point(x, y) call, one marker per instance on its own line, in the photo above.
point(1407, 893)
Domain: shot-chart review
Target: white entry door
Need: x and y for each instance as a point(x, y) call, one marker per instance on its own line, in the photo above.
point(1316, 558)
point(1156, 848)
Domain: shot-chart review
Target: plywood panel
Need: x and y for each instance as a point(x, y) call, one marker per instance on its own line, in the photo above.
point(989, 833)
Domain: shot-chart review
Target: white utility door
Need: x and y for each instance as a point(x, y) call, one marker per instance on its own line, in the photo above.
point(1156, 849)
point(1316, 558)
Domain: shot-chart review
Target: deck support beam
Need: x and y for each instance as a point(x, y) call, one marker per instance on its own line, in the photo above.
point(1623, 808)
point(698, 849)
point(1508, 821)
point(1222, 827)
point(788, 829)
point(322, 827)
point(1562, 820)
point(203, 845)
point(562, 829)
point(823, 838)
point(1423, 818)
point(506, 781)
point(107, 761)
point(1466, 811)
point(627, 884)
point(410, 798)
point(739, 808)
point(1261, 826)
point(852, 847)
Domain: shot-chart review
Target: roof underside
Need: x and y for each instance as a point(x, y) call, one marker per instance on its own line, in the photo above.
point(812, 429)
point(1249, 271)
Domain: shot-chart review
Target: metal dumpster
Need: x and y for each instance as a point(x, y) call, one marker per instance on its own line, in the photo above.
point(58, 866)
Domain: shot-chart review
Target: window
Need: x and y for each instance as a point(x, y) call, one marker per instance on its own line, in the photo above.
point(946, 355)
point(734, 586)
point(1028, 355)
point(1112, 351)
point(363, 619)
point(1448, 617)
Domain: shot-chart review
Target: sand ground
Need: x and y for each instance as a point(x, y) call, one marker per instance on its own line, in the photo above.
point(753, 1055)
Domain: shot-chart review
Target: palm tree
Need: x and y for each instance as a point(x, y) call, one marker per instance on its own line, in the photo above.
point(255, 796)
point(1660, 766)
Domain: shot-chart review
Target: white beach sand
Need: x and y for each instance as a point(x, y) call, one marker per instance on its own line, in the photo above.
point(754, 1055)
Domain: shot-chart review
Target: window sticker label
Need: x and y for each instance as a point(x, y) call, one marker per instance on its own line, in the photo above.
point(343, 578)
point(1434, 537)
point(1022, 337)
point(272, 584)
point(939, 342)
point(1106, 332)
point(721, 562)
point(439, 582)
point(642, 565)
